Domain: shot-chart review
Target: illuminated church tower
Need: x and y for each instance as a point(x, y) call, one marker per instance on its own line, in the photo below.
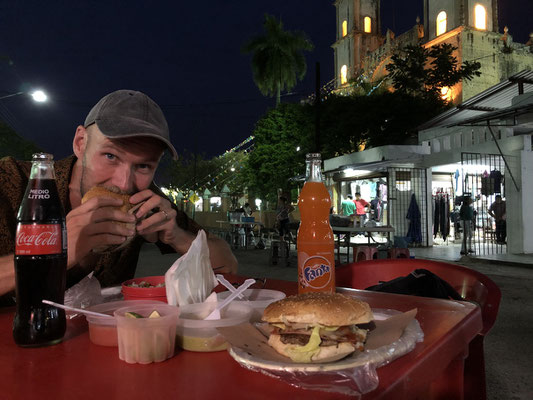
point(358, 33)
point(441, 16)
point(469, 25)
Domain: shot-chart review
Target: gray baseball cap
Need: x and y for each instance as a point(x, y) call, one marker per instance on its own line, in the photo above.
point(128, 113)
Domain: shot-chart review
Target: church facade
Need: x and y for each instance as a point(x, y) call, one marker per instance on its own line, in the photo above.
point(362, 51)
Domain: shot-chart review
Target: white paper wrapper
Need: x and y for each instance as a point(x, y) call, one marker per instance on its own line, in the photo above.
point(191, 279)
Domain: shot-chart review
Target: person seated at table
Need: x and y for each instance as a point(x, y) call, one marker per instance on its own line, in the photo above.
point(119, 146)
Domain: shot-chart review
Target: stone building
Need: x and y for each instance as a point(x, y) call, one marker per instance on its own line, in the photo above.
point(361, 50)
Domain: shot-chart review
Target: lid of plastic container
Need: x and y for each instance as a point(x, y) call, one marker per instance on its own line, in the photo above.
point(109, 308)
point(257, 298)
point(192, 315)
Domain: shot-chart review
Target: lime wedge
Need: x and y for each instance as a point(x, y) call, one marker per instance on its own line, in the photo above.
point(154, 314)
point(132, 315)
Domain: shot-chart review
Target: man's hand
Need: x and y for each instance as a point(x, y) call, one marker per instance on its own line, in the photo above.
point(160, 225)
point(92, 224)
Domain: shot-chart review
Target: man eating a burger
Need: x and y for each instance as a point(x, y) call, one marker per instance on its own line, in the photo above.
point(116, 153)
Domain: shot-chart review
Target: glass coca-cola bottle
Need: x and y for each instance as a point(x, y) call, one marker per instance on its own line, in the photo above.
point(40, 259)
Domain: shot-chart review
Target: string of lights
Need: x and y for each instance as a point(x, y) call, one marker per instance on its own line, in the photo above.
point(202, 183)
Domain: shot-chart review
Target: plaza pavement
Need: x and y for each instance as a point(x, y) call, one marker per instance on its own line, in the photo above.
point(508, 346)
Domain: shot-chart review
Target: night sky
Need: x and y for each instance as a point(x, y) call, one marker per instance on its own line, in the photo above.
point(184, 54)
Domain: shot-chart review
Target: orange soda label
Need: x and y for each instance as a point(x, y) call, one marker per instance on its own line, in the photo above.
point(316, 272)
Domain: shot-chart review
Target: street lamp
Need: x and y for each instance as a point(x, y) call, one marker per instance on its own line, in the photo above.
point(38, 96)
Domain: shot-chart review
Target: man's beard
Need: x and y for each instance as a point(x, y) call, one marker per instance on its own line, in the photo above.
point(83, 180)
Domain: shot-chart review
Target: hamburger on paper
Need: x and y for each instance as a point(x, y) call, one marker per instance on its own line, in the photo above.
point(318, 327)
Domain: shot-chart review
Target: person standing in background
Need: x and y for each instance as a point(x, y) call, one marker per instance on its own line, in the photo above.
point(466, 213)
point(283, 211)
point(497, 210)
point(361, 206)
point(348, 206)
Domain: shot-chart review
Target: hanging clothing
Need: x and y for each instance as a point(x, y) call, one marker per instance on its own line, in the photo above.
point(414, 233)
point(436, 217)
point(373, 189)
point(496, 180)
point(441, 213)
point(445, 217)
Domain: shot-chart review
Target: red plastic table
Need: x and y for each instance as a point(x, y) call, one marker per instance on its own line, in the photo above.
point(77, 369)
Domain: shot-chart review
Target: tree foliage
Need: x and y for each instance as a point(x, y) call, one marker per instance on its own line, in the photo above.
point(275, 159)
point(351, 123)
point(11, 144)
point(423, 72)
point(277, 58)
point(195, 173)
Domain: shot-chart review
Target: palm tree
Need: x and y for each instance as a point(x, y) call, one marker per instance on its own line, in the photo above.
point(278, 62)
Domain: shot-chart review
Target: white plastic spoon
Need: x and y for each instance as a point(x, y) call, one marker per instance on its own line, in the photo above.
point(229, 286)
point(80, 310)
point(215, 314)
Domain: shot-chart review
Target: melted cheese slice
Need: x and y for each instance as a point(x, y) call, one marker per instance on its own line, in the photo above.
point(305, 353)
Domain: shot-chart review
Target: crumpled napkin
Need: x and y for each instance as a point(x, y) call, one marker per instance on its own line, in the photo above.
point(191, 279)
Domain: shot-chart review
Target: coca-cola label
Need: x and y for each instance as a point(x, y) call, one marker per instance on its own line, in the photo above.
point(33, 239)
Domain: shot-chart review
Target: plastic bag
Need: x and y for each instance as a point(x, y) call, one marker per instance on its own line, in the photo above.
point(191, 279)
point(83, 294)
point(353, 381)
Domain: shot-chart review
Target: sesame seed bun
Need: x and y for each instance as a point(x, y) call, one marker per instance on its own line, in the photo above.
point(319, 308)
point(100, 191)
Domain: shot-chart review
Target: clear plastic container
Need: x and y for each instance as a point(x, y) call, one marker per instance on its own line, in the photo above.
point(258, 299)
point(196, 334)
point(146, 340)
point(103, 331)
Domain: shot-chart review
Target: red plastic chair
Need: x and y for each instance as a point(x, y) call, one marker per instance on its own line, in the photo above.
point(363, 253)
point(399, 253)
point(472, 285)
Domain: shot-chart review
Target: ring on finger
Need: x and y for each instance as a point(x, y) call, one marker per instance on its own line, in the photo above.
point(166, 215)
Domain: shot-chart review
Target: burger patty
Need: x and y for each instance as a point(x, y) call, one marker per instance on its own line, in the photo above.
point(302, 340)
point(301, 337)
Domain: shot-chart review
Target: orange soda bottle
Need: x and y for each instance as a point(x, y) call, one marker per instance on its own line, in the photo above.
point(316, 257)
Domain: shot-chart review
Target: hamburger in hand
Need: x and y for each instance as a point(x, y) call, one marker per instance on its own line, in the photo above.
point(317, 327)
point(127, 207)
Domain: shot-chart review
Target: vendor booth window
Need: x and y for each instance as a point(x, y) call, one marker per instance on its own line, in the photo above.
point(367, 22)
point(441, 23)
point(480, 17)
point(344, 74)
point(344, 28)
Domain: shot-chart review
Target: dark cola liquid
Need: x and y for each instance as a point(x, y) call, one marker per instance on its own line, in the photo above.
point(40, 277)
